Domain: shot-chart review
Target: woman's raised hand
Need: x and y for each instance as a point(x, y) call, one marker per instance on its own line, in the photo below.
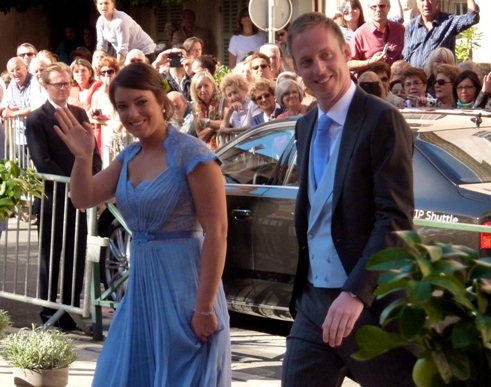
point(79, 139)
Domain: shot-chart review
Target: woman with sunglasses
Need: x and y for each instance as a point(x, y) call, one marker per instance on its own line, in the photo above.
point(102, 113)
point(443, 85)
point(440, 56)
point(247, 38)
point(466, 89)
point(261, 93)
point(350, 16)
point(260, 66)
point(84, 85)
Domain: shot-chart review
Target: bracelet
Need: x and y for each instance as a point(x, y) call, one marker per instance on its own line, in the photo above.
point(205, 313)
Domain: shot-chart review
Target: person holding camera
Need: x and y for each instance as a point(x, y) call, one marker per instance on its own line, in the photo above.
point(349, 17)
point(379, 39)
point(174, 66)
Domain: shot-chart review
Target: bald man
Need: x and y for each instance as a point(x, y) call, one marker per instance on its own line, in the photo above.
point(135, 55)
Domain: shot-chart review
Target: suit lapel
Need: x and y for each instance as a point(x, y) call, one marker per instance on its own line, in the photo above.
point(352, 127)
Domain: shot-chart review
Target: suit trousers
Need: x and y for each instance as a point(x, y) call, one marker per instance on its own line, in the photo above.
point(311, 362)
point(74, 253)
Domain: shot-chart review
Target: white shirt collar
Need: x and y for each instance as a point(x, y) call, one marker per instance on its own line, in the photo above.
point(339, 111)
point(55, 105)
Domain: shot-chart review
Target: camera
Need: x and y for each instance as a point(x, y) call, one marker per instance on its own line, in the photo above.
point(343, 10)
point(175, 59)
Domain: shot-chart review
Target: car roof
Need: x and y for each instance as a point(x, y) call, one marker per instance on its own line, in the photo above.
point(430, 120)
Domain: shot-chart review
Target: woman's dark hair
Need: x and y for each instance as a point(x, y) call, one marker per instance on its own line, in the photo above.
point(244, 12)
point(208, 62)
point(141, 76)
point(189, 43)
point(85, 63)
point(355, 4)
point(464, 75)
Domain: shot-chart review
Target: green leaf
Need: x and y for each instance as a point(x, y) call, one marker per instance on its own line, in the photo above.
point(411, 238)
point(392, 311)
point(373, 341)
point(452, 285)
point(483, 325)
point(389, 276)
point(463, 334)
point(424, 265)
point(419, 292)
point(452, 363)
point(392, 258)
point(434, 252)
point(412, 321)
point(390, 287)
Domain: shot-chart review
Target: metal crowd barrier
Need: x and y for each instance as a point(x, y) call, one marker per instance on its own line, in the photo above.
point(20, 256)
point(15, 141)
point(110, 144)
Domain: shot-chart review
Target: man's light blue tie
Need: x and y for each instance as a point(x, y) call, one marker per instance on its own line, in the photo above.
point(321, 146)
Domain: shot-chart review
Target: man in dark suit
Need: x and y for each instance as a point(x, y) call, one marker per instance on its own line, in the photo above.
point(355, 189)
point(51, 156)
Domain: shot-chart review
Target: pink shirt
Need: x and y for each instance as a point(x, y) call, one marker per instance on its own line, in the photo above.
point(367, 40)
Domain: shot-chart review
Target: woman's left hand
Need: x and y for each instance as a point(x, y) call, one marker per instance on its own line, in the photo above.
point(204, 326)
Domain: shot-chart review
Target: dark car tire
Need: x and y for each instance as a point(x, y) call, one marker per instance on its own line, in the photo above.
point(115, 259)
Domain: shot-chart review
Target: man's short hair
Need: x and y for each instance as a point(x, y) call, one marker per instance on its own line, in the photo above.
point(57, 66)
point(259, 55)
point(310, 20)
point(27, 45)
point(380, 67)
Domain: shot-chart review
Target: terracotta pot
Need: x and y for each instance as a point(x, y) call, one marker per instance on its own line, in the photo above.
point(41, 378)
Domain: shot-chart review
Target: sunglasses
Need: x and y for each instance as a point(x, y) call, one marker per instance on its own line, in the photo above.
point(263, 66)
point(379, 6)
point(264, 96)
point(441, 82)
point(107, 72)
point(29, 54)
point(280, 34)
point(61, 85)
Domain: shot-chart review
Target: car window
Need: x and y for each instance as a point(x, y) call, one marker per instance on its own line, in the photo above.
point(254, 159)
point(462, 155)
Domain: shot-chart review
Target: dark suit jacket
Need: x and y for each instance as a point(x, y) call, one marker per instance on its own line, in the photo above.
point(48, 151)
point(373, 190)
point(259, 118)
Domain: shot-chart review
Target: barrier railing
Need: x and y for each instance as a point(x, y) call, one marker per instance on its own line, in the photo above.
point(44, 266)
point(15, 141)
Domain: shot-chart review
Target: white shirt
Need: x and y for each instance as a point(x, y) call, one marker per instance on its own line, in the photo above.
point(240, 45)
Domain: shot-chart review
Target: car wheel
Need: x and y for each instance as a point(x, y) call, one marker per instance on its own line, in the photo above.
point(115, 261)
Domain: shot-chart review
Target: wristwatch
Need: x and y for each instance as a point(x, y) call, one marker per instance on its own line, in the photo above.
point(206, 122)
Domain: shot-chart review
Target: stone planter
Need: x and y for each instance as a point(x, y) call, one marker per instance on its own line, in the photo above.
point(41, 378)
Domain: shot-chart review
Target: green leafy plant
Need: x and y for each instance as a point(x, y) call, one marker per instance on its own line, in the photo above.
point(220, 73)
point(16, 182)
point(469, 41)
point(445, 311)
point(38, 349)
point(5, 322)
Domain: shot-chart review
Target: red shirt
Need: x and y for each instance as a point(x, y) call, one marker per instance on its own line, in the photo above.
point(367, 40)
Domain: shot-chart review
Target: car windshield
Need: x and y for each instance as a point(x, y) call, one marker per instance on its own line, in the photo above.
point(256, 155)
point(463, 155)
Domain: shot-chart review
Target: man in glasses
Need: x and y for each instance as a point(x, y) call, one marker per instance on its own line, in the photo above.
point(379, 39)
point(433, 29)
point(26, 51)
point(50, 155)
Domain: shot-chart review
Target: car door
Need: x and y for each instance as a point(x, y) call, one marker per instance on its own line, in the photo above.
point(250, 165)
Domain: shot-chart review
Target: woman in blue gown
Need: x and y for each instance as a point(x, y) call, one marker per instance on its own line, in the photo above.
point(172, 326)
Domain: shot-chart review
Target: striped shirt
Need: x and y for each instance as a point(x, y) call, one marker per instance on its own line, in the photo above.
point(419, 42)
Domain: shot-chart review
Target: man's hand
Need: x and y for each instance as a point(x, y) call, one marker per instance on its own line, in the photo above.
point(341, 318)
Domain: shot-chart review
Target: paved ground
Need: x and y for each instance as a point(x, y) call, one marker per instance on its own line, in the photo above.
point(256, 356)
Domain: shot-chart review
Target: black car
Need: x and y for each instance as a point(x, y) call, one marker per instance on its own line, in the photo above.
point(452, 184)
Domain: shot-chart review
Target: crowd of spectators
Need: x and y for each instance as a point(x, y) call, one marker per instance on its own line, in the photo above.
point(412, 66)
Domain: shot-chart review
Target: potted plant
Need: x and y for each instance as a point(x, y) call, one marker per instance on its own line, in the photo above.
point(16, 182)
point(444, 313)
point(39, 357)
point(5, 322)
